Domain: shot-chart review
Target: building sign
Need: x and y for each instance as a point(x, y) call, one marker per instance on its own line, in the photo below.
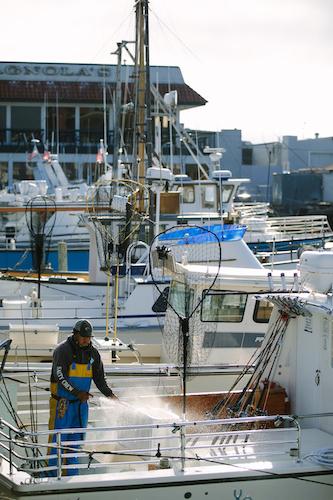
point(82, 72)
point(59, 72)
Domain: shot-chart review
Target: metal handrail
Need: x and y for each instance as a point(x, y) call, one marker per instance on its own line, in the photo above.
point(187, 448)
point(312, 224)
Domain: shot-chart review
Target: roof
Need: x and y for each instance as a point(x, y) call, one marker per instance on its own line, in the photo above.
point(73, 92)
point(233, 278)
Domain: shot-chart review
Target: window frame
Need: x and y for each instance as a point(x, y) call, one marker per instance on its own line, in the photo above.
point(223, 293)
point(256, 309)
point(184, 188)
point(204, 191)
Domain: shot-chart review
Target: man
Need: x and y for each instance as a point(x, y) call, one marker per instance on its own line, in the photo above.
point(75, 364)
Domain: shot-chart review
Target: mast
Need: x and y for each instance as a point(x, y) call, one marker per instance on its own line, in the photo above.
point(116, 140)
point(143, 119)
point(149, 144)
point(141, 90)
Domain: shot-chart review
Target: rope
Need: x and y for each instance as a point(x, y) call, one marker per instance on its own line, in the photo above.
point(324, 456)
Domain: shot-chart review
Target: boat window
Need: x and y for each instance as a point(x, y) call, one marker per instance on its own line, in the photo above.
point(262, 311)
point(224, 307)
point(208, 196)
point(226, 192)
point(161, 304)
point(181, 298)
point(187, 193)
point(224, 339)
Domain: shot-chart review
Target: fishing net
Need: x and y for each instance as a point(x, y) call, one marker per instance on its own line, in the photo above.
point(183, 331)
point(116, 210)
point(38, 211)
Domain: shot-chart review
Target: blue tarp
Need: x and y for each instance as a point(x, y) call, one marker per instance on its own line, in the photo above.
point(203, 234)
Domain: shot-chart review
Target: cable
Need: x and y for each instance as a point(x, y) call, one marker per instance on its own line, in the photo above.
point(324, 457)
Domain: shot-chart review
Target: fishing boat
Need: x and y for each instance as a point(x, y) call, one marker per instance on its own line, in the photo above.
point(276, 241)
point(231, 446)
point(136, 314)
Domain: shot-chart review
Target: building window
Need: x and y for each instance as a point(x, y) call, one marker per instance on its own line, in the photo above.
point(26, 117)
point(247, 156)
point(223, 307)
point(92, 125)
point(262, 311)
point(2, 124)
point(25, 123)
point(60, 125)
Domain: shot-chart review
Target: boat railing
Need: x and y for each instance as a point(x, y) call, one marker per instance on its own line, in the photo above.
point(252, 209)
point(56, 312)
point(151, 445)
point(144, 258)
point(313, 225)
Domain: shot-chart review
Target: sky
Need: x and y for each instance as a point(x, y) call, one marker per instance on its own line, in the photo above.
point(264, 66)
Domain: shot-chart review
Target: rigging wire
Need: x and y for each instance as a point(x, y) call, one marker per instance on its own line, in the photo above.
point(174, 34)
point(128, 17)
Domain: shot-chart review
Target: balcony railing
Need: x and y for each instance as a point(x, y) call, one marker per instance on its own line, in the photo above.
point(82, 141)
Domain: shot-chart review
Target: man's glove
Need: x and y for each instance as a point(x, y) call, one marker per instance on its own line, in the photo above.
point(83, 396)
point(113, 397)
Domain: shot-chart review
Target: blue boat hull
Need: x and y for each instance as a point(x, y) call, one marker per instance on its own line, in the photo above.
point(78, 260)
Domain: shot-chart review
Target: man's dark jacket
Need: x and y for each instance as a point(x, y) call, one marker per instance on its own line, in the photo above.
point(68, 352)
